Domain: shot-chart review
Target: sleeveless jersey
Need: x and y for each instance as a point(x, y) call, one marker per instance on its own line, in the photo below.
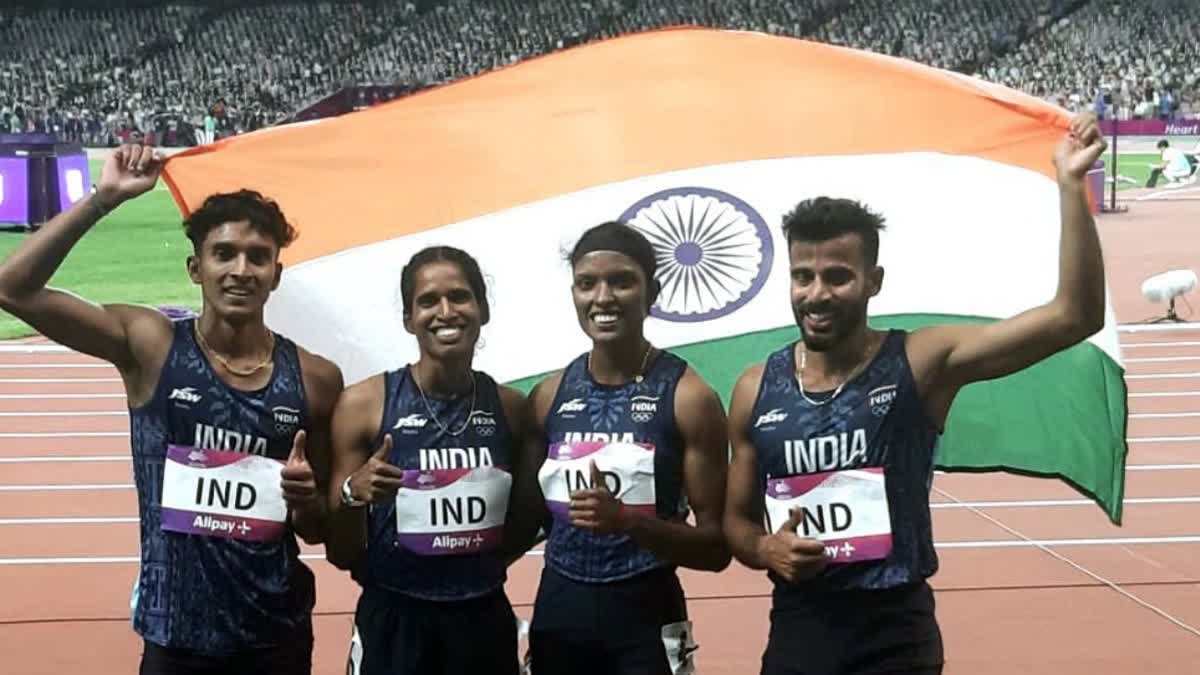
point(419, 443)
point(209, 594)
point(876, 421)
point(584, 410)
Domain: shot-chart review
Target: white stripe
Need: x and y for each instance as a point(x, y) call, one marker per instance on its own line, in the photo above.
point(66, 487)
point(1161, 467)
point(1128, 541)
point(1059, 502)
point(1156, 327)
point(1025, 543)
point(55, 365)
point(1164, 394)
point(1140, 345)
point(68, 521)
point(1162, 359)
point(64, 458)
point(33, 349)
point(55, 380)
point(43, 397)
point(1164, 439)
point(1163, 376)
point(1044, 545)
point(67, 413)
point(1163, 416)
point(63, 434)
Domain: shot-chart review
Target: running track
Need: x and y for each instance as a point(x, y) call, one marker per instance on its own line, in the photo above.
point(1033, 577)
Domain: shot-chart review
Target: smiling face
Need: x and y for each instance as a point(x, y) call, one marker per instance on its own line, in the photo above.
point(831, 286)
point(610, 291)
point(445, 314)
point(236, 267)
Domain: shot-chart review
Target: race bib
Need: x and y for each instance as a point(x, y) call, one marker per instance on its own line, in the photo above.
point(222, 493)
point(452, 511)
point(846, 510)
point(628, 470)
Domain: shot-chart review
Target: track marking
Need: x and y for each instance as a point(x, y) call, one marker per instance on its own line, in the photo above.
point(69, 521)
point(53, 397)
point(62, 434)
point(1162, 467)
point(1151, 376)
point(1163, 439)
point(56, 365)
point(93, 560)
point(55, 380)
point(35, 349)
point(1181, 343)
point(1156, 327)
point(1162, 416)
point(1045, 544)
point(65, 458)
point(1161, 359)
point(1058, 502)
point(1164, 394)
point(78, 487)
point(66, 413)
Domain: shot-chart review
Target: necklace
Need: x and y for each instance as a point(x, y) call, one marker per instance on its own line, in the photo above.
point(433, 415)
point(240, 372)
point(641, 370)
point(800, 379)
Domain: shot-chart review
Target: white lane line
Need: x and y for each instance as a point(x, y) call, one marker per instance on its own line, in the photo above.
point(66, 487)
point(54, 397)
point(1027, 543)
point(64, 458)
point(55, 380)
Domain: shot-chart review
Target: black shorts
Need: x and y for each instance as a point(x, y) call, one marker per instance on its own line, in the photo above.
point(634, 627)
point(291, 659)
point(862, 632)
point(396, 634)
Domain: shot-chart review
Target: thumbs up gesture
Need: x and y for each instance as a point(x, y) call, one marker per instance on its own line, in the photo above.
point(596, 508)
point(792, 557)
point(299, 483)
point(378, 480)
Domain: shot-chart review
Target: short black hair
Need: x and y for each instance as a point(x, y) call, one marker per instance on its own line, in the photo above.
point(432, 254)
point(263, 214)
point(1163, 144)
point(620, 237)
point(824, 218)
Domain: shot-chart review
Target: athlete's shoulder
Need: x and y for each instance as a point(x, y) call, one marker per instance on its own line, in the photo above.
point(693, 391)
point(321, 371)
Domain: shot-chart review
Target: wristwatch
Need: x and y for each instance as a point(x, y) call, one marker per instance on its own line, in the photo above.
point(348, 496)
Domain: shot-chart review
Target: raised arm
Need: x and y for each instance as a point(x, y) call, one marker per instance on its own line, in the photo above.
point(946, 358)
point(526, 505)
point(115, 333)
point(783, 552)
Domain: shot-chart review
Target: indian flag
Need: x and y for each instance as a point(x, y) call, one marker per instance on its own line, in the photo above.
point(702, 139)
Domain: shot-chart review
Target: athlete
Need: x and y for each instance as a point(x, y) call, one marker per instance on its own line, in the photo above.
point(838, 430)
point(434, 489)
point(635, 439)
point(221, 588)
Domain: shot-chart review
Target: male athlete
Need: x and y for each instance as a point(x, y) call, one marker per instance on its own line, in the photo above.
point(842, 424)
point(221, 588)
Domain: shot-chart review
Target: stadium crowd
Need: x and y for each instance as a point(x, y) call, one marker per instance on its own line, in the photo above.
point(194, 72)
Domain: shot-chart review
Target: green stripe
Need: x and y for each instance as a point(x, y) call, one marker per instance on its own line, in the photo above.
point(1064, 417)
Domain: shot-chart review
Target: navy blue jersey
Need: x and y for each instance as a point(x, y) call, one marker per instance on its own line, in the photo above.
point(210, 594)
point(420, 443)
point(875, 421)
point(637, 412)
